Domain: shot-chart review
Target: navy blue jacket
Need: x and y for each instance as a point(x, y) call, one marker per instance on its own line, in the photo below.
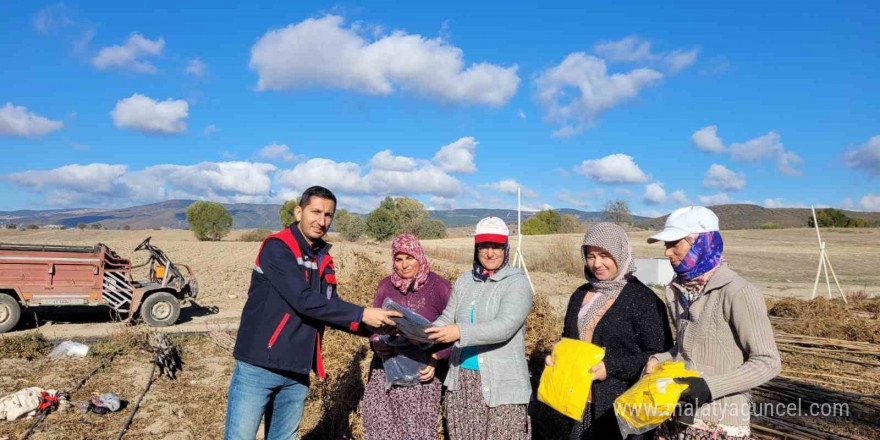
point(290, 300)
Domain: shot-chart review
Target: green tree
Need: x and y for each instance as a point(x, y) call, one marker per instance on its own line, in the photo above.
point(32, 226)
point(11, 226)
point(209, 221)
point(81, 226)
point(126, 227)
point(380, 223)
point(388, 203)
point(96, 226)
point(535, 226)
point(285, 214)
point(409, 215)
point(551, 218)
point(570, 224)
point(355, 228)
point(432, 228)
point(617, 211)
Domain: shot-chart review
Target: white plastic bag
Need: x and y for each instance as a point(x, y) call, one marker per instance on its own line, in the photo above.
point(70, 349)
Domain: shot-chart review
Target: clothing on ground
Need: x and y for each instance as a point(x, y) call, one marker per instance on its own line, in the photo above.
point(469, 418)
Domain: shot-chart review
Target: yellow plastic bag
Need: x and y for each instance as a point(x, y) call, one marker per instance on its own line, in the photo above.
point(565, 386)
point(652, 399)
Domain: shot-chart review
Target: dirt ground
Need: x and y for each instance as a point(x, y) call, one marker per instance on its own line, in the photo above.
point(781, 262)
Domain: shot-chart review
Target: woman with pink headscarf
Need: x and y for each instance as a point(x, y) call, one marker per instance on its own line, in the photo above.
point(409, 413)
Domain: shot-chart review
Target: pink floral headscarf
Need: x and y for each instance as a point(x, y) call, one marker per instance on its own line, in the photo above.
point(409, 244)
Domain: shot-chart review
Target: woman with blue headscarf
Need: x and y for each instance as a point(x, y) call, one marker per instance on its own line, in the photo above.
point(723, 332)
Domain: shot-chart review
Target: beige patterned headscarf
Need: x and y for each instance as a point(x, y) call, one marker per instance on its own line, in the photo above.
point(613, 239)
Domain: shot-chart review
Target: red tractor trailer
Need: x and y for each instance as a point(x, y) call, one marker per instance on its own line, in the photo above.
point(52, 275)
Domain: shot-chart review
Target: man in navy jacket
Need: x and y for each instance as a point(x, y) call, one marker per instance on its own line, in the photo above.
point(291, 298)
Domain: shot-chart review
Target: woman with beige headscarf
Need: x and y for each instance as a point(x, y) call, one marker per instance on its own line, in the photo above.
point(615, 311)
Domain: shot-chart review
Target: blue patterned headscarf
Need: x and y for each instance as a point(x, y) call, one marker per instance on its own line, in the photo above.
point(705, 255)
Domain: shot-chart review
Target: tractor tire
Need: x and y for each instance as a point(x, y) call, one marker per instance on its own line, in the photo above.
point(10, 312)
point(160, 309)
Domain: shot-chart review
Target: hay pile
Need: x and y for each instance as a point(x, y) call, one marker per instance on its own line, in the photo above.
point(827, 319)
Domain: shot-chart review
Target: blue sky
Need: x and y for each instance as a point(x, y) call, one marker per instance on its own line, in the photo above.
point(112, 104)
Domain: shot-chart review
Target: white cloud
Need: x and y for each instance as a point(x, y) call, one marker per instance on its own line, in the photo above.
point(846, 203)
point(579, 199)
point(144, 114)
point(870, 202)
point(633, 49)
point(866, 157)
point(707, 139)
point(522, 115)
point(654, 194)
point(679, 197)
point(106, 184)
point(323, 52)
point(719, 176)
point(594, 90)
point(95, 177)
point(130, 55)
point(766, 146)
point(425, 180)
point(614, 168)
point(756, 149)
point(781, 203)
point(209, 130)
point(715, 199)
point(16, 120)
point(458, 157)
point(509, 186)
point(629, 49)
point(679, 60)
point(338, 176)
point(441, 203)
point(51, 18)
point(623, 192)
point(275, 151)
point(196, 67)
point(386, 160)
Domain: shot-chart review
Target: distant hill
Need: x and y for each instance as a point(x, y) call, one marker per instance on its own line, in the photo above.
point(739, 216)
point(172, 214)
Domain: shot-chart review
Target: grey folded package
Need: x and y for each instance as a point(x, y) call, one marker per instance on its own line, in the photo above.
point(411, 325)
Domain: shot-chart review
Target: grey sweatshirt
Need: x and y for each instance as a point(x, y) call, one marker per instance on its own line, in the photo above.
point(726, 336)
point(501, 304)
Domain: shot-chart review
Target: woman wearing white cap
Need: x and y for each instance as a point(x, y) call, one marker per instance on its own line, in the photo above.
point(488, 385)
point(723, 331)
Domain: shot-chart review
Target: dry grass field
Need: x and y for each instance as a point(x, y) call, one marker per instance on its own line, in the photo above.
point(781, 262)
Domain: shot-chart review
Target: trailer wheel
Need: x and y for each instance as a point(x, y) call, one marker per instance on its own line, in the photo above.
point(10, 312)
point(160, 309)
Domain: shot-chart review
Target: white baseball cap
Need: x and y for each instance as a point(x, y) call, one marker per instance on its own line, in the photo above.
point(491, 229)
point(686, 221)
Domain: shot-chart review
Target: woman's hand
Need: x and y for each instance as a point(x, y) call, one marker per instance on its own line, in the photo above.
point(383, 350)
point(599, 373)
point(649, 367)
point(446, 334)
point(548, 361)
point(427, 374)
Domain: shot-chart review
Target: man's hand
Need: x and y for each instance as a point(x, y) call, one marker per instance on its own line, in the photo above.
point(427, 374)
point(374, 317)
point(599, 373)
point(446, 334)
point(383, 350)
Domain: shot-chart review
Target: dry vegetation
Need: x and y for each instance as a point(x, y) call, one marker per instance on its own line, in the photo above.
point(193, 407)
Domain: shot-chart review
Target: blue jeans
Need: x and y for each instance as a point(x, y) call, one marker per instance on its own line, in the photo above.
point(256, 391)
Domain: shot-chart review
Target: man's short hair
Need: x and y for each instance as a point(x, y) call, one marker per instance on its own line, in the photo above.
point(316, 191)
